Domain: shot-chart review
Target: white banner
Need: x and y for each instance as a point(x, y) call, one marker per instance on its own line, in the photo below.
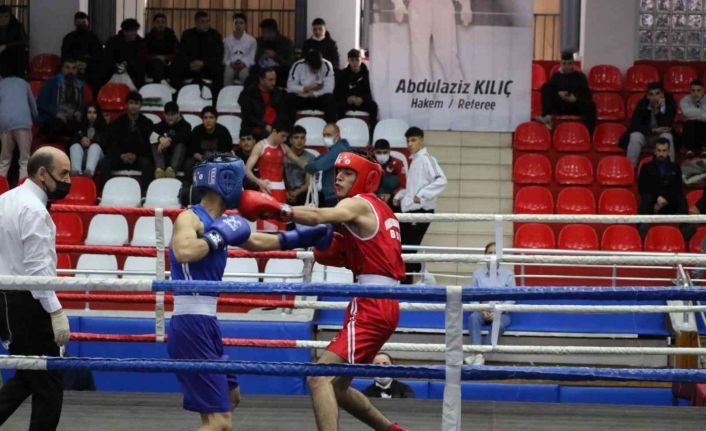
point(452, 64)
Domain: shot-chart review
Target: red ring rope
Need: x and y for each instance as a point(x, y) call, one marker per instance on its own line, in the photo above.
point(152, 251)
point(168, 299)
point(95, 209)
point(151, 338)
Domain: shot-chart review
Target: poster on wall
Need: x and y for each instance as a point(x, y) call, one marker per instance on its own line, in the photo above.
point(452, 64)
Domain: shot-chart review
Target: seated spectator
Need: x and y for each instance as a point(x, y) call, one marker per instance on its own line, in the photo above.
point(200, 55)
point(394, 176)
point(296, 178)
point(89, 144)
point(262, 104)
point(247, 143)
point(17, 111)
point(693, 107)
point(482, 278)
point(169, 140)
point(86, 49)
point(60, 103)
point(14, 43)
point(321, 41)
point(274, 50)
point(353, 88)
point(310, 86)
point(162, 46)
point(567, 93)
point(206, 140)
point(239, 52)
point(653, 119)
point(126, 52)
point(387, 387)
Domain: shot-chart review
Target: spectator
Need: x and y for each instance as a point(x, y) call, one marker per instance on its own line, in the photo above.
point(310, 86)
point(425, 182)
point(482, 278)
point(247, 143)
point(567, 93)
point(239, 52)
point(89, 144)
point(86, 49)
point(325, 162)
point(394, 175)
point(321, 41)
point(200, 55)
point(126, 52)
point(169, 140)
point(387, 387)
point(17, 111)
point(693, 107)
point(653, 119)
point(274, 50)
point(353, 88)
point(296, 178)
point(206, 140)
point(162, 46)
point(13, 43)
point(60, 103)
point(262, 104)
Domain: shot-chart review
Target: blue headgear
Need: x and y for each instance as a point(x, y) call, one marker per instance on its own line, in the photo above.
point(223, 175)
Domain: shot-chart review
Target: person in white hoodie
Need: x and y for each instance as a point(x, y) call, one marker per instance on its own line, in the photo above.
point(310, 85)
point(239, 52)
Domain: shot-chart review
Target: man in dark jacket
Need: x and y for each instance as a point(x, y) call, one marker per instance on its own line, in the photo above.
point(274, 50)
point(200, 55)
point(321, 41)
point(13, 42)
point(86, 49)
point(653, 119)
point(169, 141)
point(60, 103)
point(353, 88)
point(126, 52)
point(262, 104)
point(386, 387)
point(162, 45)
point(206, 139)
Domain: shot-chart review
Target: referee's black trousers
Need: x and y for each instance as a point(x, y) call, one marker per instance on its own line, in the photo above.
point(413, 234)
point(32, 334)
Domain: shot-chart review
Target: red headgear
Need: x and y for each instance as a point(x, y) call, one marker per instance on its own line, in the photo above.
point(368, 173)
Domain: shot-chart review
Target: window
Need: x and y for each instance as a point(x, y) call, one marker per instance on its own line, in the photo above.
point(672, 30)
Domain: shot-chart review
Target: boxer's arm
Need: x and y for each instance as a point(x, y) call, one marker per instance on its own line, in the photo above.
point(261, 242)
point(347, 211)
point(186, 244)
point(251, 162)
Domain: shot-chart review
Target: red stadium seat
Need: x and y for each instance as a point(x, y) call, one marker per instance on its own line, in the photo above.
point(69, 228)
point(679, 118)
point(556, 67)
point(536, 104)
point(692, 197)
point(574, 170)
point(604, 77)
point(4, 185)
point(36, 86)
point(532, 136)
point(578, 237)
point(615, 171)
point(666, 239)
point(534, 200)
point(87, 94)
point(621, 238)
point(607, 136)
point(534, 235)
point(571, 137)
point(609, 106)
point(677, 79)
point(43, 66)
point(632, 102)
point(532, 169)
point(638, 76)
point(111, 97)
point(575, 200)
point(539, 76)
point(63, 261)
point(618, 202)
point(696, 240)
point(83, 192)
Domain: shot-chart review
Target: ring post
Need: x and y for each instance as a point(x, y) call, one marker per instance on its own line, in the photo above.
point(161, 267)
point(451, 415)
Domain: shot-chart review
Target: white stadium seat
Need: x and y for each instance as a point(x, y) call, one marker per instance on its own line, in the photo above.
point(193, 98)
point(355, 131)
point(144, 234)
point(227, 102)
point(314, 130)
point(163, 193)
point(101, 262)
point(241, 265)
point(121, 192)
point(140, 263)
point(232, 123)
point(154, 118)
point(276, 267)
point(159, 92)
point(107, 229)
point(193, 120)
point(402, 158)
point(393, 130)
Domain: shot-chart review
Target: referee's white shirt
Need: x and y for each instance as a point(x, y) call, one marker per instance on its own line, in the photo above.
point(28, 238)
point(425, 180)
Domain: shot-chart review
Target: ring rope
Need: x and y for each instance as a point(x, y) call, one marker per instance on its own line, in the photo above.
point(152, 251)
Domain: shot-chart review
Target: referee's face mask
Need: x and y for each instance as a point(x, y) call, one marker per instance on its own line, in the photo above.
point(59, 189)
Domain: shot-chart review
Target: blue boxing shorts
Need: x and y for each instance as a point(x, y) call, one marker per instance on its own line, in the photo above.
point(195, 336)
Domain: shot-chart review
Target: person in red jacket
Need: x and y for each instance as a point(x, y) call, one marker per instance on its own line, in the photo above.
point(394, 176)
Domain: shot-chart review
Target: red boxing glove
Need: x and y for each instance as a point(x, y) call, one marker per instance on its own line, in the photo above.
point(255, 205)
point(334, 255)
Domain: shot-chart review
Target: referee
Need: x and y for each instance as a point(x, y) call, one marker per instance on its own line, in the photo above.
point(33, 323)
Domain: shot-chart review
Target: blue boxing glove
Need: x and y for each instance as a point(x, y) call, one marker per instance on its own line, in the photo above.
point(225, 231)
point(320, 236)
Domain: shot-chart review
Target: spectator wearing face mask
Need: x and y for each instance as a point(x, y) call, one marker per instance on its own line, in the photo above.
point(387, 387)
point(394, 175)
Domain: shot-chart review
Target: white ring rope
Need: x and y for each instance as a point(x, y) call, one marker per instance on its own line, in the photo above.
point(550, 218)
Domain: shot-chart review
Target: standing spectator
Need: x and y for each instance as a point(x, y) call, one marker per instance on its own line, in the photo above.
point(162, 46)
point(694, 109)
point(387, 387)
point(653, 119)
point(206, 140)
point(60, 103)
point(89, 144)
point(310, 86)
point(296, 178)
point(321, 41)
point(353, 88)
point(13, 42)
point(245, 147)
point(169, 140)
point(126, 52)
point(83, 46)
point(274, 50)
point(483, 278)
point(17, 111)
point(200, 55)
point(394, 175)
point(567, 93)
point(325, 163)
point(239, 52)
point(33, 322)
point(425, 182)
point(262, 104)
